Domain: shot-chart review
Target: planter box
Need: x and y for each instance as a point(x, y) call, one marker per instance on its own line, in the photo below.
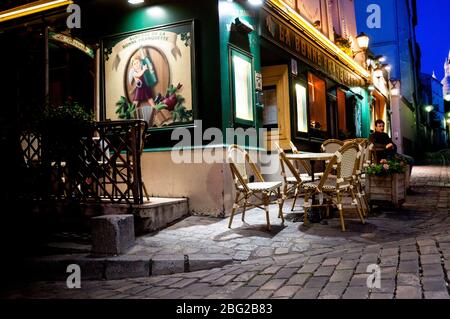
point(386, 189)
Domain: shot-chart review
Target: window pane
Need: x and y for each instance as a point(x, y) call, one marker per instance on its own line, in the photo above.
point(317, 103)
point(302, 119)
point(243, 96)
point(270, 114)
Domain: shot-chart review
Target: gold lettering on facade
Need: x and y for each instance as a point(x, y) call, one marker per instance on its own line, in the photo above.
point(303, 47)
point(297, 43)
point(309, 50)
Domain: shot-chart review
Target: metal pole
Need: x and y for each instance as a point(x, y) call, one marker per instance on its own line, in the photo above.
point(46, 71)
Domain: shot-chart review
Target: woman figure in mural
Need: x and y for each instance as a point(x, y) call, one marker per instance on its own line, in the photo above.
point(144, 76)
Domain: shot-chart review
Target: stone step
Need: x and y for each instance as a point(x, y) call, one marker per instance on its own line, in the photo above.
point(119, 267)
point(155, 214)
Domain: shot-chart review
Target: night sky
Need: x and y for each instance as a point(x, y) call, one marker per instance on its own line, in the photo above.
point(433, 34)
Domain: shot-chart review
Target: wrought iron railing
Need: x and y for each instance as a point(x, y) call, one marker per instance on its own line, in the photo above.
point(101, 166)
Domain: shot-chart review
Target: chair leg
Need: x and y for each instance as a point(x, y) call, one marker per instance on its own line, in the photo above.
point(280, 206)
point(266, 208)
point(362, 200)
point(366, 202)
point(305, 209)
point(243, 212)
point(357, 206)
point(295, 198)
point(341, 213)
point(235, 206)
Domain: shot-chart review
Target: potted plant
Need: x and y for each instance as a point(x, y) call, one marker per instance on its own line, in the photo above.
point(386, 182)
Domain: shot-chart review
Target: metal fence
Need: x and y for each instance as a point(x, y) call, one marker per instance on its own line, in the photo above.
point(103, 165)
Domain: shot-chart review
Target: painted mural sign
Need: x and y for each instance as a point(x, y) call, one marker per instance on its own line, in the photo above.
point(279, 33)
point(148, 75)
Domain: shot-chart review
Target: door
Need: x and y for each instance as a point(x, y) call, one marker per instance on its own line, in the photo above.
point(276, 118)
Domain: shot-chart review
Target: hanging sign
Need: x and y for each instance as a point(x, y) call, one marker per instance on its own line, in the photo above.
point(72, 42)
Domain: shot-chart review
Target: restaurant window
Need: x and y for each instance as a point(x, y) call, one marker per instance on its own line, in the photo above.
point(378, 110)
point(346, 114)
point(317, 104)
point(342, 114)
point(301, 106)
point(242, 70)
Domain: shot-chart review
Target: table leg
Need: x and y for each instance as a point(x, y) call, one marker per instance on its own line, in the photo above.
point(314, 215)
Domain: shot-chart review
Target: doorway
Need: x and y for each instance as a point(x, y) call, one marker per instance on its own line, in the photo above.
point(276, 118)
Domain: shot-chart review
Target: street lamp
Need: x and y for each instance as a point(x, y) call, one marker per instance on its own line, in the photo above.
point(429, 108)
point(447, 97)
point(255, 2)
point(363, 41)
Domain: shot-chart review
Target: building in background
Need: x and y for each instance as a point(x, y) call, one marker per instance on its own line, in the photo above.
point(446, 80)
point(433, 117)
point(390, 25)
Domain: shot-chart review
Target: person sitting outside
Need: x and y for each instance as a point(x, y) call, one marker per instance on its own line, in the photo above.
point(385, 148)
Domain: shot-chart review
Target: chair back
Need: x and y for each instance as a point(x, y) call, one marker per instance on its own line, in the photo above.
point(306, 166)
point(331, 145)
point(364, 153)
point(238, 159)
point(293, 148)
point(348, 161)
point(285, 161)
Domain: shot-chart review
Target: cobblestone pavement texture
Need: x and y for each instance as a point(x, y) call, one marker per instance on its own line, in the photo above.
point(411, 246)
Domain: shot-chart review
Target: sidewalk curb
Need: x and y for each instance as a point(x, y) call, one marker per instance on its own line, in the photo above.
point(120, 267)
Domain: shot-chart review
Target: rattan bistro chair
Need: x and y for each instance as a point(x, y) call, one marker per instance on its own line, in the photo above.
point(346, 160)
point(292, 184)
point(364, 151)
point(252, 194)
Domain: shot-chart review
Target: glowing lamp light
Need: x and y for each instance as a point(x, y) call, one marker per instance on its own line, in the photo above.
point(447, 97)
point(371, 87)
point(382, 59)
point(448, 121)
point(363, 40)
point(429, 108)
point(255, 2)
point(135, 1)
point(388, 68)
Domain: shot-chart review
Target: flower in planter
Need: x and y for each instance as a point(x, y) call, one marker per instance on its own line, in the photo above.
point(386, 167)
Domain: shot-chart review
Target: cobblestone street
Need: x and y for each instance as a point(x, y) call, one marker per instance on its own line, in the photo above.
point(411, 246)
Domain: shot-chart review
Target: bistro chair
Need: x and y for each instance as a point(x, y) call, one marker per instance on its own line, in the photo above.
point(292, 184)
point(364, 152)
point(331, 145)
point(252, 194)
point(346, 160)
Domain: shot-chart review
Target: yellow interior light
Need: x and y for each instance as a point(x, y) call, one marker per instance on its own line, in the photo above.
point(31, 8)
